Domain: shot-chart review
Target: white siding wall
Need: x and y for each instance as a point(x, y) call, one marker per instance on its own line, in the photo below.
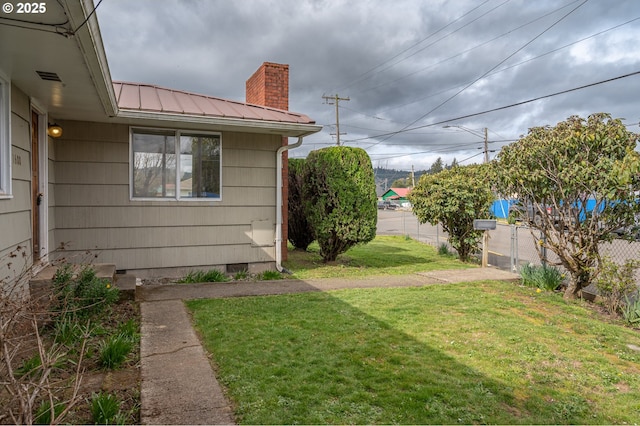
point(15, 213)
point(93, 210)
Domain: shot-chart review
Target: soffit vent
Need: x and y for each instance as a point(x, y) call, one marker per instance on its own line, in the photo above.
point(49, 76)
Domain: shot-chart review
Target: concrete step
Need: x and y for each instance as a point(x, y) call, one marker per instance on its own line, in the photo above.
point(40, 285)
point(126, 283)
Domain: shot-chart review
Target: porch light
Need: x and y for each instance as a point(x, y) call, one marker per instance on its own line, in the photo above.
point(54, 130)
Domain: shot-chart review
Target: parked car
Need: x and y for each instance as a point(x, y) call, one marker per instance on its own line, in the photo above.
point(387, 205)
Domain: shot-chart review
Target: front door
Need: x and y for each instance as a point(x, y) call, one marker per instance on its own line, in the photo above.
point(36, 194)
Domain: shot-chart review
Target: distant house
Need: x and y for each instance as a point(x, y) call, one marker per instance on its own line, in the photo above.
point(154, 180)
point(397, 195)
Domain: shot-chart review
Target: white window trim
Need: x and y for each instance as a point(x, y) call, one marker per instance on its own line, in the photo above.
point(5, 138)
point(178, 132)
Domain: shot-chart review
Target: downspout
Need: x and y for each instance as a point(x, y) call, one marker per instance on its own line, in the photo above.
point(282, 149)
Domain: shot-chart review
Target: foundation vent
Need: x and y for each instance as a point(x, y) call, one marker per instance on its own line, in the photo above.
point(234, 268)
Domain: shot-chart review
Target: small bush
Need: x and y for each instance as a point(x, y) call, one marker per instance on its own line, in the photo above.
point(114, 351)
point(443, 249)
point(105, 409)
point(96, 294)
point(63, 275)
point(212, 276)
point(270, 275)
point(631, 311)
point(616, 282)
point(241, 275)
point(68, 330)
point(84, 293)
point(543, 277)
point(129, 330)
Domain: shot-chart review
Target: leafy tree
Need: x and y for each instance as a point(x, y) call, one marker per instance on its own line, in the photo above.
point(400, 183)
point(455, 198)
point(454, 163)
point(582, 178)
point(339, 195)
point(437, 166)
point(300, 232)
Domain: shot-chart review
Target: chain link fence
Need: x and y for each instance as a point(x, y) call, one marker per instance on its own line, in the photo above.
point(524, 240)
point(510, 246)
point(523, 251)
point(404, 222)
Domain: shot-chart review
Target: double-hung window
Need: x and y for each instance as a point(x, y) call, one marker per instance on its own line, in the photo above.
point(5, 138)
point(175, 164)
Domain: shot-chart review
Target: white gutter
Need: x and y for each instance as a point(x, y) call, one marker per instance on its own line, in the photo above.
point(279, 153)
point(224, 123)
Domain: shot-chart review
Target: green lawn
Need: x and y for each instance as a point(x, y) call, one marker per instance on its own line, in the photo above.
point(487, 352)
point(385, 255)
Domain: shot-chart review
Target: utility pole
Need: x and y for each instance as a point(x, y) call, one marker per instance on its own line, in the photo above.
point(486, 138)
point(413, 177)
point(335, 100)
point(486, 146)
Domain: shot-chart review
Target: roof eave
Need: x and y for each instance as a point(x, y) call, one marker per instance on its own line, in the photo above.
point(89, 40)
point(230, 124)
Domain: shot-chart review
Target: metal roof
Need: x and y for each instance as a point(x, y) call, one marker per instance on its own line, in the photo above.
point(396, 194)
point(155, 99)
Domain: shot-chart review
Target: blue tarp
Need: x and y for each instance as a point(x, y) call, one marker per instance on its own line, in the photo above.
point(500, 208)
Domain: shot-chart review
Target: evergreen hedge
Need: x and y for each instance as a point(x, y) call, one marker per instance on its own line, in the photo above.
point(300, 232)
point(339, 197)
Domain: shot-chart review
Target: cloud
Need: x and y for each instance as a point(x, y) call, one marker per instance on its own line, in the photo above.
point(406, 62)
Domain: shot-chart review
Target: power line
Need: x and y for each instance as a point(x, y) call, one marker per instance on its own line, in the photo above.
point(360, 77)
point(533, 99)
point(456, 148)
point(521, 63)
point(475, 114)
point(73, 32)
point(351, 126)
point(440, 39)
point(425, 152)
point(477, 46)
point(493, 68)
point(469, 158)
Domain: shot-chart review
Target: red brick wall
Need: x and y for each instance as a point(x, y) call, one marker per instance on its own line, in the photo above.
point(269, 86)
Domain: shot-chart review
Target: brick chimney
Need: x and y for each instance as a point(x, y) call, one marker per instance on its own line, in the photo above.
point(269, 86)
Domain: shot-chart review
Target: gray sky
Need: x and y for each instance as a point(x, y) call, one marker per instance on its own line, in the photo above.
point(403, 64)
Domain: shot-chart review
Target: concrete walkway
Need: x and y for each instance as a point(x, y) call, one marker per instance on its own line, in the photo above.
point(178, 383)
